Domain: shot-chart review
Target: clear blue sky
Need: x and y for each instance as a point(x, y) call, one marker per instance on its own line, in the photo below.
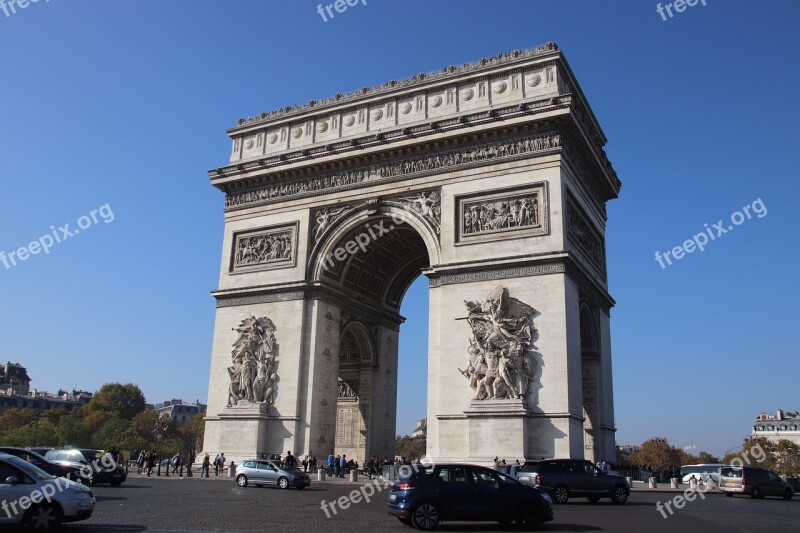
point(127, 103)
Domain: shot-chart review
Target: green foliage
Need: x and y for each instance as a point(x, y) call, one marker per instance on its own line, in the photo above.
point(114, 418)
point(782, 457)
point(705, 458)
point(412, 448)
point(125, 401)
point(657, 454)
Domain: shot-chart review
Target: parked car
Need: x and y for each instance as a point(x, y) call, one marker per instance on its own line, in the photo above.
point(756, 482)
point(567, 478)
point(56, 469)
point(91, 462)
point(68, 501)
point(40, 451)
point(461, 492)
point(262, 472)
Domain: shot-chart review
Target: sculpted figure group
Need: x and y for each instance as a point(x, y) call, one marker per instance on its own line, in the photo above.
point(498, 363)
point(253, 363)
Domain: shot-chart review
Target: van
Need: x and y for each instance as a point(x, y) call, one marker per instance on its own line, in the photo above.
point(755, 482)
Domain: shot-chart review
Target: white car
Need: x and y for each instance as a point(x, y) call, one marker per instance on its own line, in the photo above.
point(30, 496)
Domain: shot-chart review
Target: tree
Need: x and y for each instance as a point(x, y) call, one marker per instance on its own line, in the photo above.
point(71, 430)
point(113, 434)
point(192, 433)
point(124, 401)
point(657, 454)
point(412, 448)
point(154, 429)
point(705, 458)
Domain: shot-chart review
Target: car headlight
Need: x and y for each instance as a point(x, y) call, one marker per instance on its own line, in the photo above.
point(82, 495)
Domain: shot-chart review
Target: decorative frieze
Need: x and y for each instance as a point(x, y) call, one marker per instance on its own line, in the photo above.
point(264, 248)
point(452, 160)
point(582, 232)
point(504, 213)
point(502, 273)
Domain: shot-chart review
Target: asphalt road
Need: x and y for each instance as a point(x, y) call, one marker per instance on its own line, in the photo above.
point(211, 505)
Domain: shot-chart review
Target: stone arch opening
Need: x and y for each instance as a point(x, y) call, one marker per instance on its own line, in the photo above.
point(366, 263)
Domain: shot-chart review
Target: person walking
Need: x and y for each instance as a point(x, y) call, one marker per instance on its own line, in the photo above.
point(189, 462)
point(176, 462)
point(330, 464)
point(221, 461)
point(342, 463)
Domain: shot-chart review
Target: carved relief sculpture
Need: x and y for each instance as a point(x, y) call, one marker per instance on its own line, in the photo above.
point(253, 363)
point(451, 160)
point(263, 247)
point(429, 205)
point(325, 217)
point(499, 365)
point(344, 390)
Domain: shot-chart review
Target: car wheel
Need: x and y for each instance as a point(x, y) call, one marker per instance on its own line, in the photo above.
point(787, 494)
point(425, 516)
point(594, 499)
point(755, 493)
point(528, 517)
point(620, 494)
point(241, 480)
point(561, 494)
point(283, 482)
point(729, 494)
point(43, 517)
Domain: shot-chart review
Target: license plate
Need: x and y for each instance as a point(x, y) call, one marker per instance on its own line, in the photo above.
point(392, 497)
point(730, 484)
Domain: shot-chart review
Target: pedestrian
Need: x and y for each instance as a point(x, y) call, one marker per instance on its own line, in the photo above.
point(221, 463)
point(151, 462)
point(330, 464)
point(176, 462)
point(290, 460)
point(189, 463)
point(206, 465)
point(342, 463)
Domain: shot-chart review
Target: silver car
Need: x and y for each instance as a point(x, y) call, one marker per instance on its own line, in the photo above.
point(262, 472)
point(32, 497)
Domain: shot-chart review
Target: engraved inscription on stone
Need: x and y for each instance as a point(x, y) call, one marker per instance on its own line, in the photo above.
point(520, 211)
point(272, 247)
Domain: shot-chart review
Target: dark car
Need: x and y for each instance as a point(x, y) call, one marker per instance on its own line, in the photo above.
point(463, 492)
point(755, 482)
point(55, 469)
point(566, 478)
point(96, 464)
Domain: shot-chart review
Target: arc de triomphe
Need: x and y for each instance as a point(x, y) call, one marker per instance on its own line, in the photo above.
point(490, 179)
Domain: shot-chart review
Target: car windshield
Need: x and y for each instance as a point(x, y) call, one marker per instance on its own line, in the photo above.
point(528, 467)
point(91, 455)
point(33, 471)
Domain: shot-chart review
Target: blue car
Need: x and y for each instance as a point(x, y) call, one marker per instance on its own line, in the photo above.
point(463, 492)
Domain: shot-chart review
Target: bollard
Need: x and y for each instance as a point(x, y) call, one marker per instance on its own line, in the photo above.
point(653, 483)
point(180, 470)
point(158, 471)
point(321, 474)
point(232, 470)
point(169, 464)
point(630, 481)
point(673, 483)
point(693, 484)
point(354, 475)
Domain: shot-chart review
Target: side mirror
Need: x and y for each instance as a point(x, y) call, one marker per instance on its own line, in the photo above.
point(12, 480)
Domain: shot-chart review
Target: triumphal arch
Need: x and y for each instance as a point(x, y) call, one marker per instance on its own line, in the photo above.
point(488, 178)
